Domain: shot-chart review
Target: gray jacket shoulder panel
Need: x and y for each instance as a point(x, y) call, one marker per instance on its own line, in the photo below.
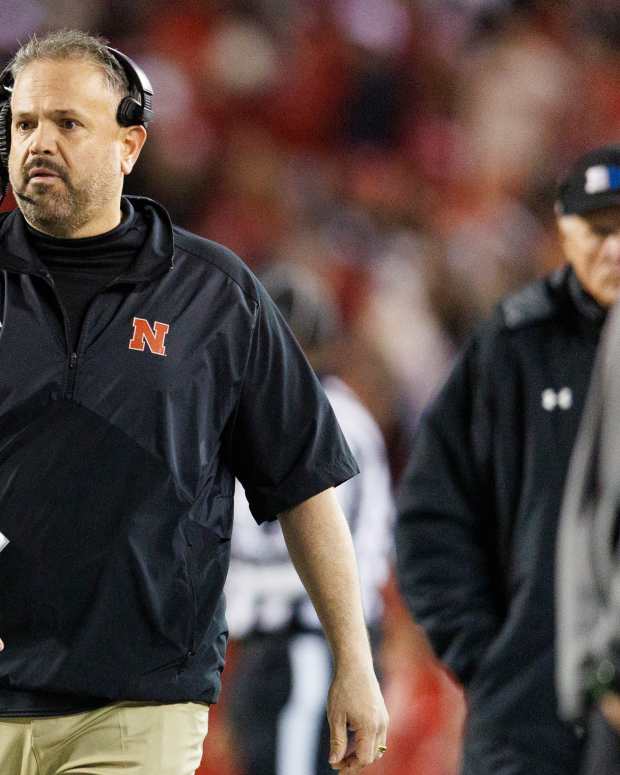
point(533, 304)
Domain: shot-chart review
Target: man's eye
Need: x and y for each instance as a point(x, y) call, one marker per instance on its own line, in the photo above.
point(23, 126)
point(69, 123)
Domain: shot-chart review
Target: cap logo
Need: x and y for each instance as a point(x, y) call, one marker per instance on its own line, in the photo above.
point(601, 178)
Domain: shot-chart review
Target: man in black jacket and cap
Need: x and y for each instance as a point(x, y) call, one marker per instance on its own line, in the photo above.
point(480, 499)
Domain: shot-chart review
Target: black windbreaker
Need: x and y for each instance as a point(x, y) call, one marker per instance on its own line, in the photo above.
point(479, 507)
point(117, 463)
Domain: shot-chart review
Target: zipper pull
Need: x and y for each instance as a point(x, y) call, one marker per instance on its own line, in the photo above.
point(73, 361)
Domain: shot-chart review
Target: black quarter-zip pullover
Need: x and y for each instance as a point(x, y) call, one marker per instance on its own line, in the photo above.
point(118, 461)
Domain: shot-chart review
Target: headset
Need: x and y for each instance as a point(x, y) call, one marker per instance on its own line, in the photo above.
point(130, 112)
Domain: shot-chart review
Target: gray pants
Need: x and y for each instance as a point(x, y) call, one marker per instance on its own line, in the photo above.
point(603, 752)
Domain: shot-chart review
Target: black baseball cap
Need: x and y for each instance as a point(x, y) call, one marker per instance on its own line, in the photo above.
point(592, 183)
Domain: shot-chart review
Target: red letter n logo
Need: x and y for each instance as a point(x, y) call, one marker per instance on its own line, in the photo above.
point(143, 334)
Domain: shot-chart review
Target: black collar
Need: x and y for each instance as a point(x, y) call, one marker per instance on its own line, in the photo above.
point(155, 258)
point(586, 305)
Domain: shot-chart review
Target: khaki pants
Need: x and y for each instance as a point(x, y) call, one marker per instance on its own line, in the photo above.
point(131, 738)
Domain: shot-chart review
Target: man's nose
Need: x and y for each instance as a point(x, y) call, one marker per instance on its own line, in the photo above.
point(43, 140)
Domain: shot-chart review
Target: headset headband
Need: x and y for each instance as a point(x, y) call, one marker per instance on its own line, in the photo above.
point(135, 75)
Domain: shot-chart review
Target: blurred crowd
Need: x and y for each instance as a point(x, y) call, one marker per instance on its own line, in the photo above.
point(403, 151)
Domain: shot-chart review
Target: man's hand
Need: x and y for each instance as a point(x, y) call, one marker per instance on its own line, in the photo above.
point(358, 720)
point(610, 707)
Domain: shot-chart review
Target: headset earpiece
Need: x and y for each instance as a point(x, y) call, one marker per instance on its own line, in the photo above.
point(132, 111)
point(6, 82)
point(5, 144)
point(5, 133)
point(129, 112)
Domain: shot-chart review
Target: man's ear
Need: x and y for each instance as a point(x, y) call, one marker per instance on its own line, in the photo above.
point(133, 140)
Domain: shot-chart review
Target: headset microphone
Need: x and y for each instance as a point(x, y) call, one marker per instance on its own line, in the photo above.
point(131, 111)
